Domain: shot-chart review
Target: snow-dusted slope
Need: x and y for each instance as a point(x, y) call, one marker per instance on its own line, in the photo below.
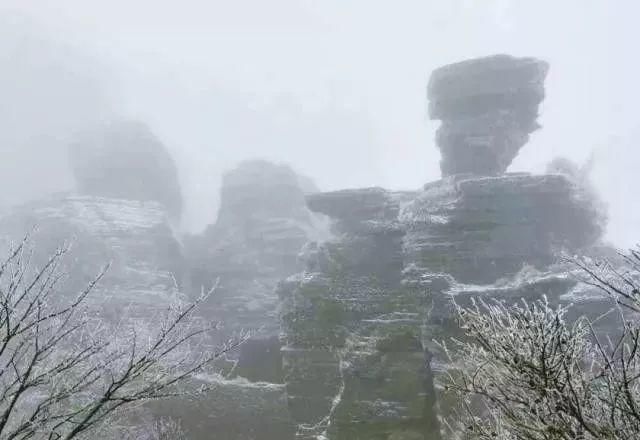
point(134, 237)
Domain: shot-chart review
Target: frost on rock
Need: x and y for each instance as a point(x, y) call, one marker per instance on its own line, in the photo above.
point(479, 229)
point(347, 290)
point(352, 331)
point(263, 224)
point(134, 237)
point(488, 108)
point(362, 317)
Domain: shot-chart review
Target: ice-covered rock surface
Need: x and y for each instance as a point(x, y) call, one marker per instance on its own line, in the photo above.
point(359, 323)
point(262, 225)
point(488, 107)
point(355, 366)
point(480, 229)
point(232, 410)
point(144, 278)
point(134, 237)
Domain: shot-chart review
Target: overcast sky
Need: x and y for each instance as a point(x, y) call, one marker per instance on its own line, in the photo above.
point(336, 88)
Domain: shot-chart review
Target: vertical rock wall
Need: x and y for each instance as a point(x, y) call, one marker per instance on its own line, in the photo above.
point(355, 366)
point(481, 229)
point(262, 225)
point(359, 324)
point(347, 341)
point(135, 237)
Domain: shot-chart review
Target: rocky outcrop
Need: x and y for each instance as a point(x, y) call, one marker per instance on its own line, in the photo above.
point(488, 107)
point(362, 319)
point(148, 272)
point(262, 225)
point(144, 278)
point(135, 237)
point(344, 348)
point(481, 229)
point(125, 160)
point(354, 363)
point(359, 323)
point(494, 237)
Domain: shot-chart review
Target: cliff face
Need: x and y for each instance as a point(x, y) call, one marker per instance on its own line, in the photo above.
point(354, 363)
point(121, 213)
point(262, 225)
point(148, 272)
point(135, 237)
point(359, 323)
point(480, 229)
point(346, 319)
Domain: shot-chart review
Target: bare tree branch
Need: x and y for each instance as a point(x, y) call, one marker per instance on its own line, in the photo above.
point(63, 374)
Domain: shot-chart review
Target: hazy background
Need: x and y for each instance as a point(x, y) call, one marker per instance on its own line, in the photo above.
point(336, 88)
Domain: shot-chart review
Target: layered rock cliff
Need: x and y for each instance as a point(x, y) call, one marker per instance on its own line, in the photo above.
point(262, 225)
point(134, 237)
point(121, 214)
point(354, 362)
point(359, 324)
point(480, 229)
point(346, 319)
point(148, 272)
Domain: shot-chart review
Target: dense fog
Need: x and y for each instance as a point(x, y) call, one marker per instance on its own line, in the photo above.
point(319, 220)
point(335, 89)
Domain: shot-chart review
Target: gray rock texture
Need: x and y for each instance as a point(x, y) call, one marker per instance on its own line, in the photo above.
point(354, 362)
point(134, 237)
point(263, 223)
point(488, 107)
point(348, 290)
point(481, 229)
point(125, 160)
point(360, 321)
point(232, 410)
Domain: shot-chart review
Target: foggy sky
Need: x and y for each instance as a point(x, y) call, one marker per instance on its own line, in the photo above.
point(336, 88)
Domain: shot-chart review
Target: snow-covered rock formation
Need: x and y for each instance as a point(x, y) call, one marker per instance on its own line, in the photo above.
point(360, 321)
point(488, 107)
point(345, 318)
point(262, 225)
point(133, 237)
point(354, 361)
point(122, 214)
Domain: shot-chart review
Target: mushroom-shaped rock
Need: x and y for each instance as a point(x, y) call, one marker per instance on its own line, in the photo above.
point(488, 107)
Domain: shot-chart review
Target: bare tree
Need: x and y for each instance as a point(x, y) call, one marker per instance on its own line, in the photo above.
point(525, 372)
point(64, 374)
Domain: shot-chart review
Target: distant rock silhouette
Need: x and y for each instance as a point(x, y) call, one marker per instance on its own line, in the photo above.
point(126, 160)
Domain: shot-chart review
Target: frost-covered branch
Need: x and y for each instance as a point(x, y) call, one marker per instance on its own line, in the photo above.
point(525, 372)
point(64, 373)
